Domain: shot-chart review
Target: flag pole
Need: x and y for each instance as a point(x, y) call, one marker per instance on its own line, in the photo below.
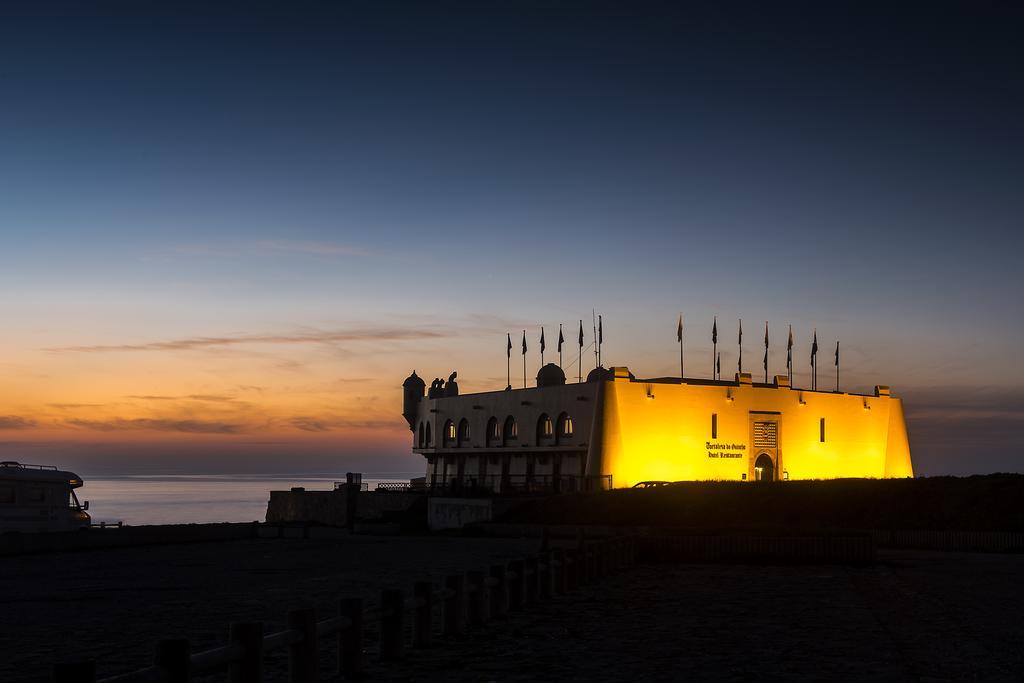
point(560, 340)
point(679, 336)
point(524, 359)
point(739, 364)
point(837, 367)
point(716, 360)
point(579, 363)
point(597, 357)
point(766, 352)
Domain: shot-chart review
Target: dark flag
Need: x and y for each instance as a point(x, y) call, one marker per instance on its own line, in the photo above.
point(837, 366)
point(600, 332)
point(739, 363)
point(814, 362)
point(524, 359)
point(715, 358)
point(679, 338)
point(542, 344)
point(789, 352)
point(579, 364)
point(765, 351)
point(561, 339)
point(508, 359)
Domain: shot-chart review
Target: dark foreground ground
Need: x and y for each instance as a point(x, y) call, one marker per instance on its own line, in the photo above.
point(913, 615)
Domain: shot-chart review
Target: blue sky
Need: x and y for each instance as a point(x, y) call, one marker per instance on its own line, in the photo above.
point(181, 171)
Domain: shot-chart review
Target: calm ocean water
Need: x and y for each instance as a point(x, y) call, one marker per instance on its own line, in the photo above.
point(173, 499)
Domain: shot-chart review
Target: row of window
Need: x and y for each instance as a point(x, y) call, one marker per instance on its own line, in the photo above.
point(497, 434)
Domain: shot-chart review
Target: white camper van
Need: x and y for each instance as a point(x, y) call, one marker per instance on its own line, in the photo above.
point(37, 498)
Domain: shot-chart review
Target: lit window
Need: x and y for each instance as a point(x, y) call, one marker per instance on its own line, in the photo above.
point(567, 426)
point(714, 425)
point(451, 431)
point(549, 429)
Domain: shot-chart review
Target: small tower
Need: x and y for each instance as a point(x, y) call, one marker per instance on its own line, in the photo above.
point(412, 394)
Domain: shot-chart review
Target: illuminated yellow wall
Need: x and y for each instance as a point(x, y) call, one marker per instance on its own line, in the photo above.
point(655, 431)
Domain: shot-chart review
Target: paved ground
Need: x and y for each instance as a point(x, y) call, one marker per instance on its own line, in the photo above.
point(114, 605)
point(913, 616)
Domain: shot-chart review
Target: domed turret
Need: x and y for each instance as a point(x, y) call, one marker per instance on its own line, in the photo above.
point(603, 374)
point(550, 375)
point(412, 394)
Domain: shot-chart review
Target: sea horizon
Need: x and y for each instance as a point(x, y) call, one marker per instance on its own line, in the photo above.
point(189, 498)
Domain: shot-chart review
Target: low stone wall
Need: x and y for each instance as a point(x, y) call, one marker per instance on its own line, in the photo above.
point(98, 539)
point(334, 508)
point(455, 513)
point(321, 507)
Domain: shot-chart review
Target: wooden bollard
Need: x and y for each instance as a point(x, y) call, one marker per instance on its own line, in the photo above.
point(516, 584)
point(454, 606)
point(422, 627)
point(532, 580)
point(173, 655)
point(350, 640)
point(571, 569)
point(392, 613)
point(499, 591)
point(479, 597)
point(74, 672)
point(303, 662)
point(558, 571)
point(248, 636)
point(544, 576)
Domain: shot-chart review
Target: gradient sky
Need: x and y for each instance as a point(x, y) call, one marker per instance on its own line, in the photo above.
point(230, 231)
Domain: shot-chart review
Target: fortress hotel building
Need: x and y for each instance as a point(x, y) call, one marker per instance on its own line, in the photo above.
point(615, 430)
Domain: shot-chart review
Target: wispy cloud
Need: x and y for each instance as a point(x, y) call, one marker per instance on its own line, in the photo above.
point(160, 425)
point(16, 422)
point(329, 424)
point(312, 337)
point(213, 398)
point(74, 406)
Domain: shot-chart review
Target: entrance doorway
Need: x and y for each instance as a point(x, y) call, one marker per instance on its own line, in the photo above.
point(764, 468)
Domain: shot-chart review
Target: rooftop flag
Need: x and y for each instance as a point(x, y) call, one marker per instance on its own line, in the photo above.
point(679, 338)
point(715, 358)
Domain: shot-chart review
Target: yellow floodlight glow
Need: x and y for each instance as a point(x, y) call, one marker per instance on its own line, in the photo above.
point(805, 435)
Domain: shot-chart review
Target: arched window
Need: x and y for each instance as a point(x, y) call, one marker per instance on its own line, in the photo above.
point(429, 439)
point(511, 431)
point(565, 428)
point(463, 437)
point(545, 430)
point(493, 435)
point(448, 435)
point(420, 441)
